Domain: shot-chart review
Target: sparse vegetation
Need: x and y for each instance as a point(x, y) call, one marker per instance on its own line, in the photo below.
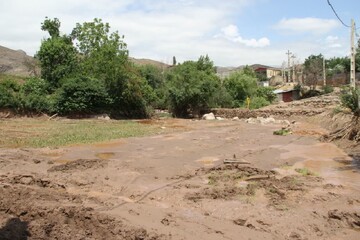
point(39, 133)
point(282, 132)
point(350, 98)
point(305, 171)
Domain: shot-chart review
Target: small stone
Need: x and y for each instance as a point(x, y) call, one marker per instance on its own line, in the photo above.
point(209, 116)
point(36, 161)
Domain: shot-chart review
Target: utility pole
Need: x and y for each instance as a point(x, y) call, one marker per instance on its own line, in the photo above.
point(324, 71)
point(293, 66)
point(289, 55)
point(352, 56)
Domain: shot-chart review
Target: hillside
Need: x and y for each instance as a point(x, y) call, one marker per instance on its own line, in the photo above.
point(144, 61)
point(16, 62)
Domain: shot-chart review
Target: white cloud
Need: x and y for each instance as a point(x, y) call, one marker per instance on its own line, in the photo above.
point(231, 32)
point(307, 25)
point(333, 42)
point(157, 29)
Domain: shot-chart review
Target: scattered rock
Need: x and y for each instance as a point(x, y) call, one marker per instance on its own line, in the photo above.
point(209, 116)
point(261, 120)
point(240, 222)
point(165, 221)
point(36, 161)
point(345, 219)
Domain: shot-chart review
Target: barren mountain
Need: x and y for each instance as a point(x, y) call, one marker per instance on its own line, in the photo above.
point(16, 62)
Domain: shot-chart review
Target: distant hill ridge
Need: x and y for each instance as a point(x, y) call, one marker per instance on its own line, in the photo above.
point(16, 62)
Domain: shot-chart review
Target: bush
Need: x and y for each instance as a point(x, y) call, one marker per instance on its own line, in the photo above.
point(328, 89)
point(267, 93)
point(241, 85)
point(9, 93)
point(34, 96)
point(258, 102)
point(81, 95)
point(311, 93)
point(350, 99)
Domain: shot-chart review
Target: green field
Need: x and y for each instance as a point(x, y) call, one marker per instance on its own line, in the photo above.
point(40, 132)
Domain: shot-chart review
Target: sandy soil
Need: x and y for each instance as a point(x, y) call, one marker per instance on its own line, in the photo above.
point(176, 186)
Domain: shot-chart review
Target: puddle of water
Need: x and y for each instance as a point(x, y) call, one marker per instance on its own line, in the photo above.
point(208, 161)
point(52, 154)
point(326, 160)
point(109, 144)
point(105, 155)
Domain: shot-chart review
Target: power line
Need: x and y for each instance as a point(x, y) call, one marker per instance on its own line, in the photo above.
point(337, 15)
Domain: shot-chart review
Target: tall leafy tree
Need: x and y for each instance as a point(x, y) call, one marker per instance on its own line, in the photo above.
point(57, 55)
point(191, 87)
point(104, 56)
point(103, 53)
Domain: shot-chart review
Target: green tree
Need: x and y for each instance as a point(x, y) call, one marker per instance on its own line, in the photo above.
point(52, 26)
point(191, 87)
point(240, 85)
point(313, 69)
point(267, 93)
point(103, 53)
point(57, 56)
point(337, 65)
point(104, 56)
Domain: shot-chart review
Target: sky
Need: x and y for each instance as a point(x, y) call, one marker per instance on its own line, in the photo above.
point(231, 32)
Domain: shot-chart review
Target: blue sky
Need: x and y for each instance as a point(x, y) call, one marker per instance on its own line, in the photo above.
point(231, 32)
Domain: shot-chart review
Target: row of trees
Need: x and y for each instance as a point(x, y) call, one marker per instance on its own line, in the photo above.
point(314, 64)
point(88, 71)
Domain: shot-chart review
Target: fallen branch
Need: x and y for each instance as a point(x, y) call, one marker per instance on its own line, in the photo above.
point(53, 116)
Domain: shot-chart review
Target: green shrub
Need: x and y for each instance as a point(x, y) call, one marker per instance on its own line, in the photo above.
point(350, 99)
point(310, 93)
point(282, 132)
point(328, 89)
point(9, 97)
point(266, 93)
point(258, 102)
point(240, 85)
point(33, 95)
point(81, 95)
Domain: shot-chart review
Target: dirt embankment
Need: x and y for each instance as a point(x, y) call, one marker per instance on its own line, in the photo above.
point(306, 107)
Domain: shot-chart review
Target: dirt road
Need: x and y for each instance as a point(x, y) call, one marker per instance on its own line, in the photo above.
point(175, 186)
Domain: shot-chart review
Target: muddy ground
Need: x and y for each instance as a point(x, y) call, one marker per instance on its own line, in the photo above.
point(176, 186)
